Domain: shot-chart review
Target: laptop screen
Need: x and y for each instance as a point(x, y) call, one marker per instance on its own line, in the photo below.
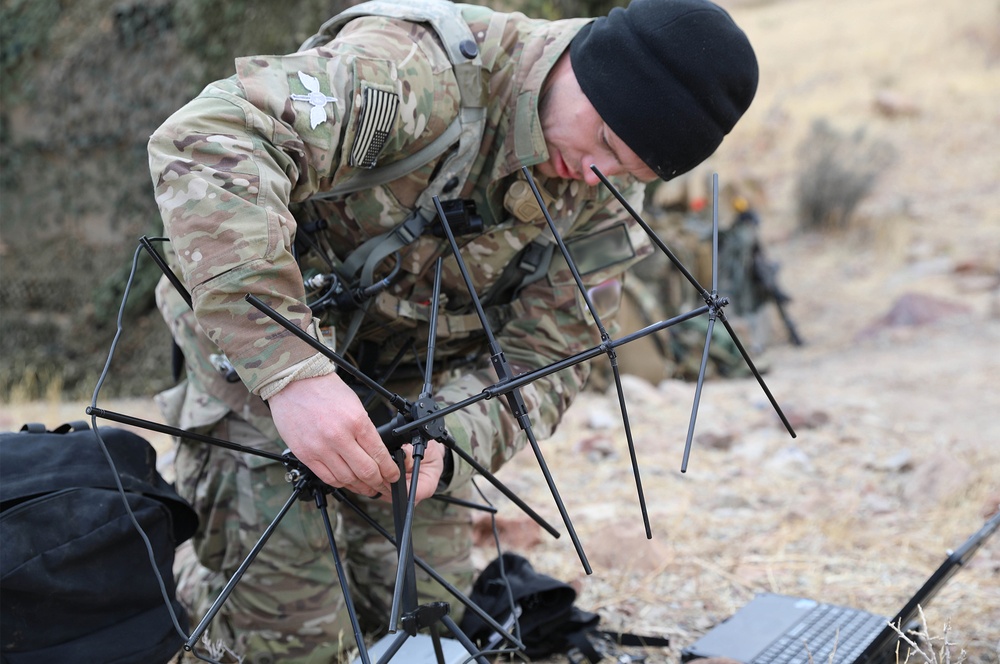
point(941, 575)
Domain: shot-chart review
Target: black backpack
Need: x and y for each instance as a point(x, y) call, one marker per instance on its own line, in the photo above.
point(76, 579)
point(549, 621)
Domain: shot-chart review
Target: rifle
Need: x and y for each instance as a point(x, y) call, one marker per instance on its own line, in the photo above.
point(764, 274)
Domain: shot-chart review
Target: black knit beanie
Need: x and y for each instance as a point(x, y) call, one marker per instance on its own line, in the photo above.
point(670, 77)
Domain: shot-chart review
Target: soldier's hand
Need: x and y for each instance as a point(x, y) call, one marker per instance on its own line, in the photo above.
point(323, 423)
point(431, 467)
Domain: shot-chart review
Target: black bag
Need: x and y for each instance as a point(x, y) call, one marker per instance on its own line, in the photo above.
point(549, 622)
point(76, 576)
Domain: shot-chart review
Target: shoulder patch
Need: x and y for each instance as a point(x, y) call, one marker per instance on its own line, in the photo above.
point(316, 99)
point(378, 113)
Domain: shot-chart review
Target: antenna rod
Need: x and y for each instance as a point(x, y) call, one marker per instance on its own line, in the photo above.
point(180, 433)
point(652, 234)
point(715, 234)
point(605, 338)
point(164, 268)
point(500, 389)
point(565, 252)
point(238, 574)
point(514, 399)
point(756, 373)
point(392, 398)
point(432, 328)
point(715, 308)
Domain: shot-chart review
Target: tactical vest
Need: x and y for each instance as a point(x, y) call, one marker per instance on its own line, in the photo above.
point(463, 138)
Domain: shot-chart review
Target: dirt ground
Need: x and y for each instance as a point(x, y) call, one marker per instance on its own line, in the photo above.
point(894, 397)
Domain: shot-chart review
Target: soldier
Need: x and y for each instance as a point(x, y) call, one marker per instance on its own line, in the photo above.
point(297, 180)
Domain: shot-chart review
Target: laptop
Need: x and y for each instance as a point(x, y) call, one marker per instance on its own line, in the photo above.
point(779, 629)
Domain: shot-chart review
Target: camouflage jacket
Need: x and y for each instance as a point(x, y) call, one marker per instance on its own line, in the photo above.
point(231, 165)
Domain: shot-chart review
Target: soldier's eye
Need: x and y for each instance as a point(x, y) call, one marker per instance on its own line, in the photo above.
point(607, 144)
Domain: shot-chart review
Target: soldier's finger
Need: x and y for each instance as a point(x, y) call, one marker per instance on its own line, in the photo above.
point(337, 471)
point(377, 452)
point(408, 463)
point(364, 472)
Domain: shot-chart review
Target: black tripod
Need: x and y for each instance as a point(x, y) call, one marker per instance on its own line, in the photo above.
point(406, 613)
point(424, 424)
point(305, 486)
point(421, 421)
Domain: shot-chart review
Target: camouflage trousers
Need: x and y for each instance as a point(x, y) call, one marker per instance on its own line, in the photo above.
point(288, 607)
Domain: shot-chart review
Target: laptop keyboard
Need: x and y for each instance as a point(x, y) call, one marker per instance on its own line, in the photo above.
point(824, 630)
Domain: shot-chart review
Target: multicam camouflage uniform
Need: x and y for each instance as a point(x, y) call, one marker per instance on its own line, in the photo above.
point(230, 166)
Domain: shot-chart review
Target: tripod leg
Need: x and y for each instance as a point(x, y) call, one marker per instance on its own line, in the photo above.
point(342, 575)
point(463, 639)
point(436, 640)
point(404, 596)
point(393, 648)
point(203, 625)
point(363, 519)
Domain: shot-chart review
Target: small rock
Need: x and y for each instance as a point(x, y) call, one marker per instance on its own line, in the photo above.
point(894, 105)
point(626, 549)
point(876, 504)
point(601, 419)
point(806, 419)
point(638, 392)
point(791, 459)
point(899, 462)
point(732, 501)
point(936, 479)
point(517, 533)
point(914, 309)
point(595, 447)
point(920, 309)
point(991, 506)
point(716, 441)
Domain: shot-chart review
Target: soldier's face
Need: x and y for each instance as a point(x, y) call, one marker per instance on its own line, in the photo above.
point(577, 137)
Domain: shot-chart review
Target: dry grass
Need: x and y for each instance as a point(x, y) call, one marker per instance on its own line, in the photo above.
point(823, 516)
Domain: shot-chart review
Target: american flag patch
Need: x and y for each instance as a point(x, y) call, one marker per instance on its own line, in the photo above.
point(378, 112)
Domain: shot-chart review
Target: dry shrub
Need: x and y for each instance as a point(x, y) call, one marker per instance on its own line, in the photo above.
point(921, 647)
point(837, 172)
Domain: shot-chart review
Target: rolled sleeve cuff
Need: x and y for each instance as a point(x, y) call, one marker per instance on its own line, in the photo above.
point(317, 365)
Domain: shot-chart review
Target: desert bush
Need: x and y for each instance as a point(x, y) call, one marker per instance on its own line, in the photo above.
point(837, 172)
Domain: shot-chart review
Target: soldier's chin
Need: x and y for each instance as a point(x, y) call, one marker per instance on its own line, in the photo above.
point(547, 169)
